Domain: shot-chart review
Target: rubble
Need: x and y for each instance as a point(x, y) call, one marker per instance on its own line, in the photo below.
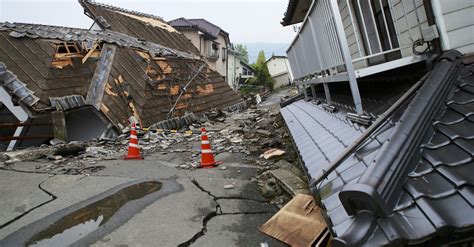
point(257, 134)
point(228, 186)
point(272, 153)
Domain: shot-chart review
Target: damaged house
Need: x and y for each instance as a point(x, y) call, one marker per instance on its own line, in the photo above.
point(384, 123)
point(76, 84)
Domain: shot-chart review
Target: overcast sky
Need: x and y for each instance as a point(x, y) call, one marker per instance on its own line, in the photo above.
point(247, 21)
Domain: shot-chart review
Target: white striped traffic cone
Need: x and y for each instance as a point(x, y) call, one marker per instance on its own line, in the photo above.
point(133, 150)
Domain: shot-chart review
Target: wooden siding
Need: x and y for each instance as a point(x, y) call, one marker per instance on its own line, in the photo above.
point(122, 22)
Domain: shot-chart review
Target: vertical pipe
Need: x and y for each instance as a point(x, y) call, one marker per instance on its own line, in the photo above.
point(386, 25)
point(327, 93)
point(305, 92)
point(443, 33)
point(313, 91)
point(347, 57)
point(430, 17)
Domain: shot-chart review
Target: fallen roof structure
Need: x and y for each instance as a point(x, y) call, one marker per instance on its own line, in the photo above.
point(152, 75)
point(407, 181)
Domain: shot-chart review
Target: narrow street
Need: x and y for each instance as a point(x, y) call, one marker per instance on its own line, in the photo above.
point(201, 207)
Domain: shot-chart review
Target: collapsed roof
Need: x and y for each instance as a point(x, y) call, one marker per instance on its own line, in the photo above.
point(138, 78)
point(143, 68)
point(407, 182)
point(139, 25)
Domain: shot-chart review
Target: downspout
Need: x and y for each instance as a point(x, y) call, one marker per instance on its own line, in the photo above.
point(200, 38)
point(432, 21)
point(443, 33)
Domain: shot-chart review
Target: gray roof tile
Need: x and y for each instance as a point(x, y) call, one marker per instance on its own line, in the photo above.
point(436, 194)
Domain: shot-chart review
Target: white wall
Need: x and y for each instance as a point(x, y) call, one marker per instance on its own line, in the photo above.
point(281, 80)
point(277, 65)
point(233, 70)
point(455, 20)
point(219, 65)
point(278, 68)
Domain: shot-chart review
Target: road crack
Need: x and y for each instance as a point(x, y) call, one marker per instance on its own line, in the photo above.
point(53, 197)
point(218, 212)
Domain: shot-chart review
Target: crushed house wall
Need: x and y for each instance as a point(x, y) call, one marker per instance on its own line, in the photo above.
point(139, 84)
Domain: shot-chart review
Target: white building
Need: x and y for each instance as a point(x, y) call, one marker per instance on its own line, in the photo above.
point(233, 68)
point(279, 69)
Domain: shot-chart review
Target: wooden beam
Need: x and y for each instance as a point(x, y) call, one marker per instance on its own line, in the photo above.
point(101, 76)
point(89, 53)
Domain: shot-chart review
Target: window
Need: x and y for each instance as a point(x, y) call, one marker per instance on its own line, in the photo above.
point(224, 54)
point(65, 51)
point(69, 49)
point(377, 29)
point(213, 50)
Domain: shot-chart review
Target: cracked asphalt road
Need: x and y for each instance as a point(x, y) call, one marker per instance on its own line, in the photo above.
point(202, 214)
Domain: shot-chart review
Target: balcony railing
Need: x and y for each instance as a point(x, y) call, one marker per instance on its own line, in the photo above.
point(213, 54)
point(342, 40)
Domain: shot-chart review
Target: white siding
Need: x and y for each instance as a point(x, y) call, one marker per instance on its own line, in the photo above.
point(458, 18)
point(278, 68)
point(281, 80)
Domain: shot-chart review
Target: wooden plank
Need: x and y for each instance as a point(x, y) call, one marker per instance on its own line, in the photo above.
point(101, 76)
point(90, 52)
point(25, 56)
point(298, 223)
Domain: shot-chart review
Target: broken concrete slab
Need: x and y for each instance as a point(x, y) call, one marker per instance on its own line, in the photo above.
point(290, 182)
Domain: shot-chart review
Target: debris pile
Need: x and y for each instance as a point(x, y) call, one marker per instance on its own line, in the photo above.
point(258, 134)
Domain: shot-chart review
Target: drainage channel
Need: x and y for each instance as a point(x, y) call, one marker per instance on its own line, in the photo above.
point(86, 222)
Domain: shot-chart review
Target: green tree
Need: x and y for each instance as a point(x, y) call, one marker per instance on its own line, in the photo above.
point(244, 54)
point(262, 76)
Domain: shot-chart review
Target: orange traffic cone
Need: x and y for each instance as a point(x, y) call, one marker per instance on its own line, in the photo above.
point(207, 157)
point(133, 151)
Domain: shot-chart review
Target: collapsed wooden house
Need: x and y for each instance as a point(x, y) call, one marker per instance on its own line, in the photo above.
point(78, 84)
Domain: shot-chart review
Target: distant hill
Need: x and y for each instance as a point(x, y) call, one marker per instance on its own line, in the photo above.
point(268, 48)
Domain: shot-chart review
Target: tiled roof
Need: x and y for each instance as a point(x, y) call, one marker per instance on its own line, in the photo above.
point(201, 24)
point(410, 182)
point(320, 136)
point(139, 25)
point(66, 34)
